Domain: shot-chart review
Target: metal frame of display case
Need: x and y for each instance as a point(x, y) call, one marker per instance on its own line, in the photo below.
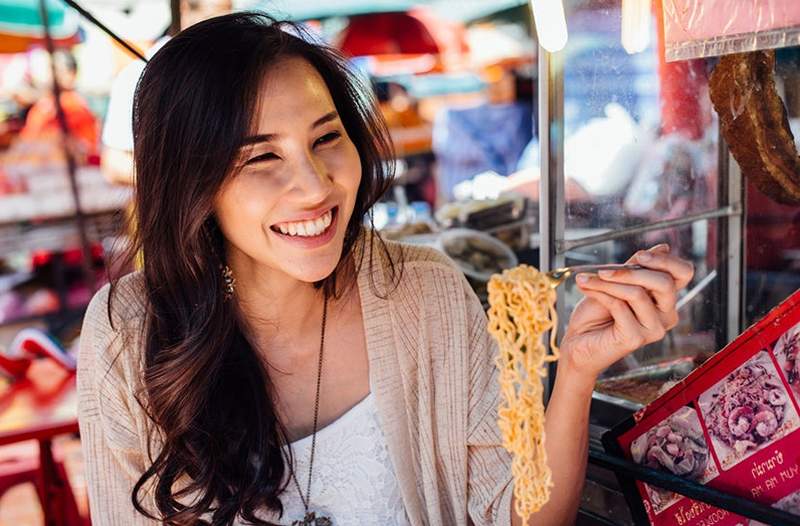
point(730, 250)
point(551, 180)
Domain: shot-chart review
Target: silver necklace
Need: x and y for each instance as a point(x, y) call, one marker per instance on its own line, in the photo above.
point(310, 518)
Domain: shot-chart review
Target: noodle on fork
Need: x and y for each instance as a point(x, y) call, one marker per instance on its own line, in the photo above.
point(522, 308)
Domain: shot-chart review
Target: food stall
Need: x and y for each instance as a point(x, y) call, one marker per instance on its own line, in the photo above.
point(56, 209)
point(55, 206)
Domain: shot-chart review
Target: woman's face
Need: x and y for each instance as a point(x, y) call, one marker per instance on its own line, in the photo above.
point(289, 205)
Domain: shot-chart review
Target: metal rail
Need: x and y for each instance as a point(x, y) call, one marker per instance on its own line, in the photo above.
point(733, 503)
point(565, 245)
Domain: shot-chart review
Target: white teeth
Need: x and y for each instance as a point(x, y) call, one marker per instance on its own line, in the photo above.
point(307, 228)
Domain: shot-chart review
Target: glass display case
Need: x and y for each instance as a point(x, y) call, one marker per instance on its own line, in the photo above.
point(640, 138)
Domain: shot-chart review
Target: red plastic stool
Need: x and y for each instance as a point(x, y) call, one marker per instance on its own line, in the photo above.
point(16, 470)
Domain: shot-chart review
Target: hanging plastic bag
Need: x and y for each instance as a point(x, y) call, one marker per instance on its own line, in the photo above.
point(709, 28)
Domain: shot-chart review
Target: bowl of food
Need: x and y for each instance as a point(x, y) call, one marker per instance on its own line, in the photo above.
point(479, 255)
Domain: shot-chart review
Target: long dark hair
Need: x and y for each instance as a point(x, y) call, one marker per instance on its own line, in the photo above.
point(205, 388)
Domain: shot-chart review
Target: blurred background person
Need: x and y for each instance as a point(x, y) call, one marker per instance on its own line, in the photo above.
point(41, 121)
point(489, 136)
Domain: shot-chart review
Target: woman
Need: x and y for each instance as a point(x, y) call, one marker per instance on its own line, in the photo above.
point(41, 122)
point(275, 361)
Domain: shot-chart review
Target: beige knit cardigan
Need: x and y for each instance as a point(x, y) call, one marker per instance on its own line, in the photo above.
point(431, 369)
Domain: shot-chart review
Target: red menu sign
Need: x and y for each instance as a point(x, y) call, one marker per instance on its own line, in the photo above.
point(705, 28)
point(733, 424)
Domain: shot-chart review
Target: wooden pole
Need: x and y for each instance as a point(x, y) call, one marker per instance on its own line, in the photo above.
point(61, 116)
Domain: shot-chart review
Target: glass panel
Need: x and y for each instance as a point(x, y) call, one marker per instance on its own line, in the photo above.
point(640, 137)
point(688, 344)
point(773, 229)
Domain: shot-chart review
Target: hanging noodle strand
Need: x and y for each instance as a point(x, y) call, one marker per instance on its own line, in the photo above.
point(522, 308)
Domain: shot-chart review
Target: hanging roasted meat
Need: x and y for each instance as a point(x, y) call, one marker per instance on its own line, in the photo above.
point(755, 125)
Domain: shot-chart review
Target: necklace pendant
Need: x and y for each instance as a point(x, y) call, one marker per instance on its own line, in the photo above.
point(311, 519)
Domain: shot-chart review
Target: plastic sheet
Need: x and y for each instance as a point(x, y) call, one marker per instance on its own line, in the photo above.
point(707, 28)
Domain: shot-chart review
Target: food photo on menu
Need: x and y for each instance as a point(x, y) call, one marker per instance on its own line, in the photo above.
point(748, 410)
point(786, 351)
point(676, 445)
point(790, 503)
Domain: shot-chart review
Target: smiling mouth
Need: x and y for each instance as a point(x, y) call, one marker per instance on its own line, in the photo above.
point(307, 229)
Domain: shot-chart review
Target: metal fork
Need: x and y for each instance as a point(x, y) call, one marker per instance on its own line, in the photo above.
point(560, 275)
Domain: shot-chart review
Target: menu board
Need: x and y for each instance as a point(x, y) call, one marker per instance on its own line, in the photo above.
point(732, 424)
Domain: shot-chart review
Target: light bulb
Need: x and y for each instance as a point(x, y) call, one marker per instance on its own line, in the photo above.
point(636, 21)
point(551, 24)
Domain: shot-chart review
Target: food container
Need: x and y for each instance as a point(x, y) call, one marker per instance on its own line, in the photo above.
point(733, 424)
point(478, 255)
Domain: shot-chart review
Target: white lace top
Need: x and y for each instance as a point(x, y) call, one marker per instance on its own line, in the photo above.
point(353, 482)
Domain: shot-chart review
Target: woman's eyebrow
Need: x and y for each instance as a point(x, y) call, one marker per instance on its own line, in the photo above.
point(254, 139)
point(267, 137)
point(328, 117)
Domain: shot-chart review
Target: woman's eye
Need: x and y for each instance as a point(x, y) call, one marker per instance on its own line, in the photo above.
point(263, 157)
point(328, 137)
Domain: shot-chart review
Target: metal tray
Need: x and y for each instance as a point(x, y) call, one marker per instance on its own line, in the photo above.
point(660, 373)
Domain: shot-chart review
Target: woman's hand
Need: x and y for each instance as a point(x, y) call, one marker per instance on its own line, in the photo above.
point(623, 310)
point(620, 313)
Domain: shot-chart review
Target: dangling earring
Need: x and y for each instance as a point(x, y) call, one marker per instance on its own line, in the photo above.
point(230, 281)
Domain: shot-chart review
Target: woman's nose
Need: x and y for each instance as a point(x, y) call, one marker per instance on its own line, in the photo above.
point(313, 180)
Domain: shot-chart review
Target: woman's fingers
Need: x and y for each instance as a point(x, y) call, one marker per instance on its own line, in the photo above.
point(637, 299)
point(626, 331)
point(627, 309)
point(659, 258)
point(660, 285)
